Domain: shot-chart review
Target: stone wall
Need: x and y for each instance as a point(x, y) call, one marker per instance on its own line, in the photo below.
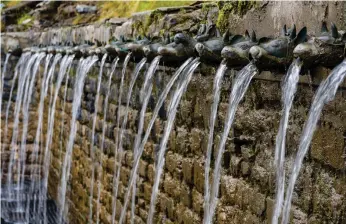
point(248, 178)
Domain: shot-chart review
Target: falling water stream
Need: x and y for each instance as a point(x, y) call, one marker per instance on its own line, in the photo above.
point(63, 111)
point(22, 83)
point(240, 85)
point(120, 151)
point(148, 130)
point(146, 90)
point(82, 70)
point(114, 200)
point(289, 88)
point(19, 68)
point(92, 154)
point(172, 110)
point(2, 78)
point(46, 161)
point(21, 63)
point(46, 83)
point(216, 93)
point(105, 111)
point(325, 93)
point(43, 93)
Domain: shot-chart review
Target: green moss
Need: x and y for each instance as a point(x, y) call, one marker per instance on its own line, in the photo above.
point(207, 6)
point(10, 3)
point(235, 7)
point(153, 18)
point(23, 18)
point(109, 9)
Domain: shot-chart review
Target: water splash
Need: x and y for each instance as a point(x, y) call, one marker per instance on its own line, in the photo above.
point(325, 93)
point(92, 154)
point(119, 150)
point(172, 110)
point(289, 88)
point(82, 70)
point(216, 93)
point(145, 92)
point(140, 149)
point(105, 111)
point(239, 88)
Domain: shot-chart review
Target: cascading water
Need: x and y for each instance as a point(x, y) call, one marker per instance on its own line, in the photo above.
point(46, 162)
point(105, 111)
point(35, 186)
point(3, 73)
point(289, 88)
point(180, 90)
point(114, 200)
point(43, 93)
point(146, 90)
point(23, 59)
point(83, 68)
point(216, 93)
point(26, 82)
point(63, 110)
point(20, 97)
point(150, 126)
point(25, 112)
point(92, 154)
point(119, 151)
point(325, 93)
point(239, 88)
point(2, 78)
point(21, 63)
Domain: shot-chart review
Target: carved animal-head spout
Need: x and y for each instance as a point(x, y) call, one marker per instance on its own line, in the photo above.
point(117, 47)
point(151, 50)
point(210, 49)
point(206, 32)
point(136, 47)
point(182, 48)
point(237, 52)
point(278, 51)
point(326, 49)
point(15, 51)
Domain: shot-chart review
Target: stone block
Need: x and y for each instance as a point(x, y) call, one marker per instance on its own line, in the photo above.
point(328, 146)
point(198, 175)
point(143, 167)
point(171, 186)
point(198, 202)
point(187, 166)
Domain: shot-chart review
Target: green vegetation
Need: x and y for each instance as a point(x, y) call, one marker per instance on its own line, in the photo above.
point(153, 18)
point(232, 7)
point(126, 8)
point(10, 3)
point(23, 18)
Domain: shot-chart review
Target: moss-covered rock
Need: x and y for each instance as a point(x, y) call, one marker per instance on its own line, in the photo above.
point(232, 7)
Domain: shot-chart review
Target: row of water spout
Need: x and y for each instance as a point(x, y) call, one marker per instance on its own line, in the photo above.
point(26, 75)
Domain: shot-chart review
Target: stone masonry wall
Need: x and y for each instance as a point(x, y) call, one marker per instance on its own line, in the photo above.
point(248, 175)
point(32, 164)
